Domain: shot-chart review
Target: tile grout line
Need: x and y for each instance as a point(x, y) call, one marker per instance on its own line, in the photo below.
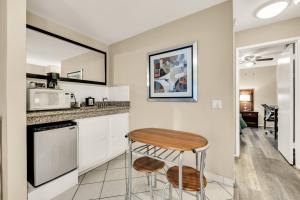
point(122, 196)
point(78, 186)
point(92, 183)
point(104, 179)
point(224, 189)
point(126, 178)
point(112, 196)
point(176, 190)
point(135, 194)
point(123, 179)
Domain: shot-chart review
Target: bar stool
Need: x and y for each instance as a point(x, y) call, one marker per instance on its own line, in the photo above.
point(193, 180)
point(149, 166)
point(190, 180)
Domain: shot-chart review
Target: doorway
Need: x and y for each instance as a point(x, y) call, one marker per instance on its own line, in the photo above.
point(282, 58)
point(267, 99)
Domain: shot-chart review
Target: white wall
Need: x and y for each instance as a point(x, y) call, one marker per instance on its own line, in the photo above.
point(263, 81)
point(83, 90)
point(119, 93)
point(113, 93)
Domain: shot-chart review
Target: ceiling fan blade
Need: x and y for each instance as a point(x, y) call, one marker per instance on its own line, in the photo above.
point(264, 59)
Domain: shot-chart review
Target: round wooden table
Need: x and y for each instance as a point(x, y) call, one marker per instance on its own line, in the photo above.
point(164, 143)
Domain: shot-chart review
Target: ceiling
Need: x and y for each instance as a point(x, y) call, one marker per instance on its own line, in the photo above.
point(110, 21)
point(245, 14)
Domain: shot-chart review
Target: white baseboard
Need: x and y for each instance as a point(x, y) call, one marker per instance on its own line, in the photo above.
point(220, 179)
point(52, 189)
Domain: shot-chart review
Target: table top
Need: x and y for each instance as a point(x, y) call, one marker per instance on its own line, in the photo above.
point(168, 139)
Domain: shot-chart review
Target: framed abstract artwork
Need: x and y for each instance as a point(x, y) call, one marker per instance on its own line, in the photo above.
point(172, 74)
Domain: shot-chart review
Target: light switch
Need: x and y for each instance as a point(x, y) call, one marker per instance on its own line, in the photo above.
point(220, 104)
point(217, 104)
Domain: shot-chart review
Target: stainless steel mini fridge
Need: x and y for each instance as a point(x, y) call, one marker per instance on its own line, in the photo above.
point(51, 151)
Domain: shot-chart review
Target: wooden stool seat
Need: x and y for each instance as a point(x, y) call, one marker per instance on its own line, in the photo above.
point(148, 165)
point(190, 178)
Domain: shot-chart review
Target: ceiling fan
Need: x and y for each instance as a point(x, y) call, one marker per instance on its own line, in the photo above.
point(252, 59)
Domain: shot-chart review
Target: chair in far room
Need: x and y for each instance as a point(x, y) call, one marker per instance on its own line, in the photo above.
point(271, 115)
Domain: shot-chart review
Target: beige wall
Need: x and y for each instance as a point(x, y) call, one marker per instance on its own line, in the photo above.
point(213, 29)
point(263, 81)
point(91, 63)
point(276, 31)
point(12, 98)
point(50, 26)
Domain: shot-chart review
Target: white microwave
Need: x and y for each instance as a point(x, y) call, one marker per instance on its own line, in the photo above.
point(47, 99)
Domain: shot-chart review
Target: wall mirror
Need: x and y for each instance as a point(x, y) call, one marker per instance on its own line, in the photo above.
point(75, 62)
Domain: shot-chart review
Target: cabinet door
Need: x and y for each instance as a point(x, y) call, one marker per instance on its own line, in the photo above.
point(93, 141)
point(119, 127)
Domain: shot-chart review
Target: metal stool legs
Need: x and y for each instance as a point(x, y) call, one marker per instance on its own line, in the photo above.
point(151, 185)
point(170, 192)
point(148, 179)
point(164, 190)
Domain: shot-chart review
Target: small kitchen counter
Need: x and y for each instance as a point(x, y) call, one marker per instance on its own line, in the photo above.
point(100, 109)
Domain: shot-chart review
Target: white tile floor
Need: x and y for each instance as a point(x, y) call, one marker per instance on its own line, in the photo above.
point(108, 182)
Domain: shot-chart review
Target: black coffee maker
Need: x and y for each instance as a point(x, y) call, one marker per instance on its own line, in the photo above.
point(52, 79)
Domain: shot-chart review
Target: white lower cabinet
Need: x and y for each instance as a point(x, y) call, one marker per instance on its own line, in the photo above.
point(100, 139)
point(118, 128)
point(92, 140)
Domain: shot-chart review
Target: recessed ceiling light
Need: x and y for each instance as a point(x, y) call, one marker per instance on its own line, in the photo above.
point(296, 2)
point(271, 9)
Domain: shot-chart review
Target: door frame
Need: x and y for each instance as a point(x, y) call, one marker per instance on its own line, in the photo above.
point(295, 40)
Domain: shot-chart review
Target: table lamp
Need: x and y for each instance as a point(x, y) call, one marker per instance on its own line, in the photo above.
point(245, 98)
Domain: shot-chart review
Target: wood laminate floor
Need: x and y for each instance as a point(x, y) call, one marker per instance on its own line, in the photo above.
point(261, 172)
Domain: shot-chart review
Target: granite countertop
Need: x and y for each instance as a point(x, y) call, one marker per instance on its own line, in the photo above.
point(100, 109)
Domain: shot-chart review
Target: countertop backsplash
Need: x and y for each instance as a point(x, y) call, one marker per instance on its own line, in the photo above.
point(82, 90)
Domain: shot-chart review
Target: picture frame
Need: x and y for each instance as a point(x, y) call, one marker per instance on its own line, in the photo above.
point(172, 74)
point(78, 75)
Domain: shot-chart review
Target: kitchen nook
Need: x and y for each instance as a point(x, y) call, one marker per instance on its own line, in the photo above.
point(116, 100)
